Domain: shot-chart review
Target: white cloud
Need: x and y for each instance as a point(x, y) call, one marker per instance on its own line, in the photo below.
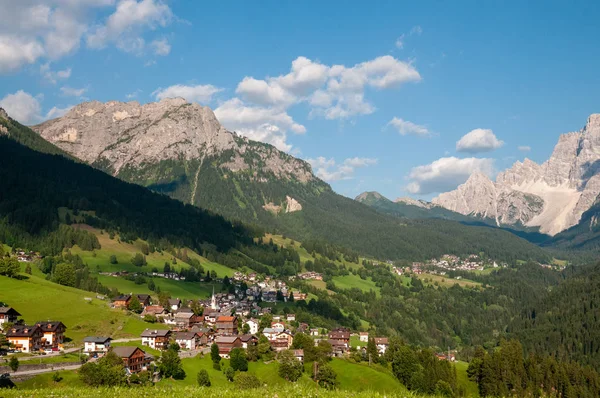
point(416, 30)
point(57, 112)
point(23, 107)
point(264, 124)
point(16, 52)
point(524, 148)
point(329, 170)
point(202, 94)
point(133, 94)
point(124, 26)
point(446, 174)
point(478, 140)
point(334, 92)
point(54, 76)
point(404, 127)
point(73, 92)
point(161, 47)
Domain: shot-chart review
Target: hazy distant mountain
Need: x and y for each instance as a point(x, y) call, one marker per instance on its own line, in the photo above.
point(552, 196)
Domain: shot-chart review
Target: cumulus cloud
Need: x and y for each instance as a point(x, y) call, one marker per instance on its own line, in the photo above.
point(328, 170)
point(479, 140)
point(72, 92)
point(404, 127)
point(524, 148)
point(333, 92)
point(124, 26)
point(161, 47)
point(200, 93)
point(23, 107)
point(36, 29)
point(264, 124)
point(53, 76)
point(446, 174)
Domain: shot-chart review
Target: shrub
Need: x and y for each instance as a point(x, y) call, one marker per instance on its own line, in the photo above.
point(203, 379)
point(246, 381)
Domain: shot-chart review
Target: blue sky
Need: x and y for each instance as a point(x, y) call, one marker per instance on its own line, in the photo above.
point(375, 94)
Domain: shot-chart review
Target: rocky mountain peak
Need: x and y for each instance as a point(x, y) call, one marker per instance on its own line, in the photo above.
point(368, 195)
point(3, 114)
point(551, 196)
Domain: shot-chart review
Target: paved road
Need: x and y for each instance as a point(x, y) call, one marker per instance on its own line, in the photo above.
point(38, 371)
point(126, 340)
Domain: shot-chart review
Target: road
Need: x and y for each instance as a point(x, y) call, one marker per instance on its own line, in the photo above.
point(126, 340)
point(39, 371)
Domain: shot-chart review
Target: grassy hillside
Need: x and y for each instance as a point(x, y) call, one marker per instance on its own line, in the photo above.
point(38, 299)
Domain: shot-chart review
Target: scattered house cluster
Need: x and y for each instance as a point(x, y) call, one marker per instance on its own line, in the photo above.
point(48, 335)
point(311, 275)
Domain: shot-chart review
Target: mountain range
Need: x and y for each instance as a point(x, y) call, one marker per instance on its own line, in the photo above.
point(201, 163)
point(551, 196)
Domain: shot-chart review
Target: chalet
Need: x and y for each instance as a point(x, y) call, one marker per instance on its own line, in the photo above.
point(174, 304)
point(204, 335)
point(226, 344)
point(54, 333)
point(122, 301)
point(279, 345)
point(25, 338)
point(155, 310)
point(277, 325)
point(93, 344)
point(287, 336)
point(314, 332)
point(341, 336)
point(186, 340)
point(157, 338)
point(270, 333)
point(211, 317)
point(248, 340)
point(144, 299)
point(183, 319)
point(299, 354)
point(363, 337)
point(8, 315)
point(291, 317)
point(298, 296)
point(276, 318)
point(382, 344)
point(253, 324)
point(338, 347)
point(226, 325)
point(134, 358)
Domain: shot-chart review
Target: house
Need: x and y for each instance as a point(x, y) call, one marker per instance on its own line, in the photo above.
point(253, 323)
point(186, 340)
point(277, 325)
point(298, 296)
point(134, 358)
point(338, 347)
point(287, 336)
point(183, 319)
point(54, 333)
point(302, 328)
point(270, 333)
point(8, 315)
point(276, 318)
point(291, 317)
point(144, 299)
point(341, 336)
point(226, 325)
point(299, 354)
point(211, 317)
point(174, 304)
point(279, 345)
point(25, 338)
point(96, 344)
point(155, 310)
point(363, 337)
point(156, 338)
point(314, 332)
point(226, 344)
point(122, 301)
point(382, 344)
point(248, 340)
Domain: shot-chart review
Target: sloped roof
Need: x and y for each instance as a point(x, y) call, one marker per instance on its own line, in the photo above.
point(96, 339)
point(125, 351)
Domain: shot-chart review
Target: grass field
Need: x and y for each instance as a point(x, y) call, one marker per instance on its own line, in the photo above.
point(70, 357)
point(361, 377)
point(447, 282)
point(177, 289)
point(461, 375)
point(350, 281)
point(38, 299)
point(70, 379)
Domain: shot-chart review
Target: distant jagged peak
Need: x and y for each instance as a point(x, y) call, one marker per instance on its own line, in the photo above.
point(414, 202)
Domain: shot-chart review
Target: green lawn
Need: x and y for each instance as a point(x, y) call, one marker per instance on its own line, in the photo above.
point(180, 289)
point(70, 357)
point(38, 299)
point(70, 379)
point(463, 379)
point(361, 377)
point(350, 281)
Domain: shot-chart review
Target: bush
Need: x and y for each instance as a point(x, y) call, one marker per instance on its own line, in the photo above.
point(229, 373)
point(238, 360)
point(326, 377)
point(290, 368)
point(113, 259)
point(246, 381)
point(203, 379)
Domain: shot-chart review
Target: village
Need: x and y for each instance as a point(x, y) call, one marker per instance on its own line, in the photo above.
point(449, 262)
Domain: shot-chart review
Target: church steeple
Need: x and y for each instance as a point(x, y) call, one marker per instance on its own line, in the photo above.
point(213, 300)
